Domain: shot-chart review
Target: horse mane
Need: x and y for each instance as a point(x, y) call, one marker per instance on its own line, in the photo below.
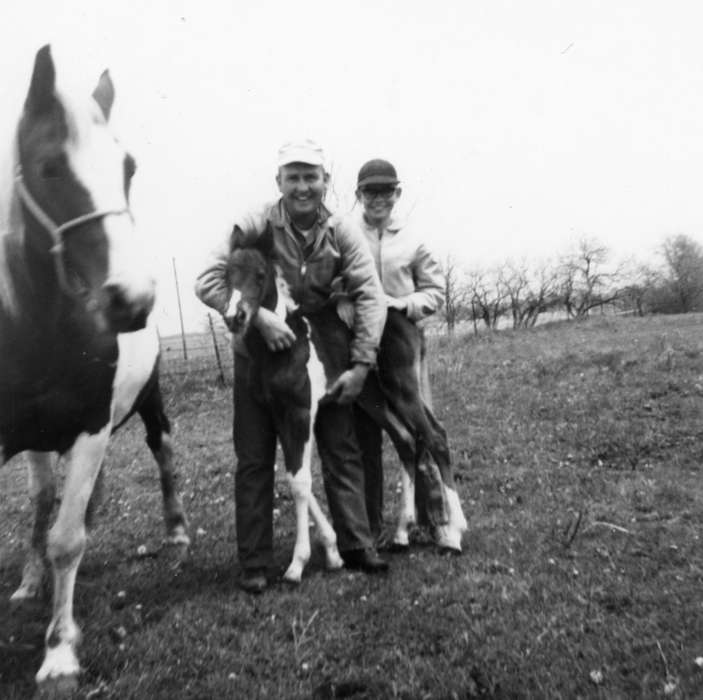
point(11, 223)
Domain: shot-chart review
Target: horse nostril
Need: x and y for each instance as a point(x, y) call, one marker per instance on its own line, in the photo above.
point(123, 313)
point(115, 298)
point(237, 321)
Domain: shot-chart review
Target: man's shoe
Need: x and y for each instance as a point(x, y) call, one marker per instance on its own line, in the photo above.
point(253, 581)
point(364, 560)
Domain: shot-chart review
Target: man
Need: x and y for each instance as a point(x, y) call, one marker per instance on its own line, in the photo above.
point(412, 281)
point(313, 247)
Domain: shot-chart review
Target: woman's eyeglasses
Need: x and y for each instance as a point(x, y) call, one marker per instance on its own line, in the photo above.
point(387, 191)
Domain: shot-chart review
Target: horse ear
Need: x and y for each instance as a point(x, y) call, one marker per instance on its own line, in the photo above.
point(264, 242)
point(40, 97)
point(104, 94)
point(236, 238)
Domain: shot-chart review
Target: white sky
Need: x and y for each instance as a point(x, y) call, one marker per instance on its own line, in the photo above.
point(515, 127)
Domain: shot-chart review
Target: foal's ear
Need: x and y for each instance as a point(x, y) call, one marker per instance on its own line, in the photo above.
point(236, 238)
point(265, 242)
point(40, 97)
point(104, 94)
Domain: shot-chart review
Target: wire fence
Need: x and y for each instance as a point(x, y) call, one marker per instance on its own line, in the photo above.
point(204, 353)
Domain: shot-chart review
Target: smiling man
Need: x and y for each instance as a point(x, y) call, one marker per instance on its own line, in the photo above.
point(313, 248)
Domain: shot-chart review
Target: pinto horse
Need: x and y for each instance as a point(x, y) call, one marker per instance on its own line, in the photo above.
point(71, 280)
point(295, 380)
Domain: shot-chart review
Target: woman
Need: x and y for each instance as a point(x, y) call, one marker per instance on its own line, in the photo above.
point(413, 283)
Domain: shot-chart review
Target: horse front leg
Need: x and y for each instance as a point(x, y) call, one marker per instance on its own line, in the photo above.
point(328, 536)
point(299, 465)
point(301, 488)
point(66, 544)
point(42, 492)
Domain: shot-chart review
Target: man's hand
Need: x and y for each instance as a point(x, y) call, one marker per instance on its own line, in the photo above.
point(275, 331)
point(393, 303)
point(349, 384)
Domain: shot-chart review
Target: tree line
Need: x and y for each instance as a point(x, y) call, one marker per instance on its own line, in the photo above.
point(574, 284)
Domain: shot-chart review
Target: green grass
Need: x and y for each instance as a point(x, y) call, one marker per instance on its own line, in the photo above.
point(578, 451)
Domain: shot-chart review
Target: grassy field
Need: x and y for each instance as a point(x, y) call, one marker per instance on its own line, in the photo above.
point(578, 449)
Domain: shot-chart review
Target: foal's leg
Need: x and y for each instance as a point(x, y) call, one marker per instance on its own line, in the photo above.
point(158, 438)
point(406, 516)
point(327, 535)
point(66, 543)
point(301, 487)
point(294, 427)
point(447, 535)
point(373, 401)
point(298, 455)
point(437, 498)
point(42, 491)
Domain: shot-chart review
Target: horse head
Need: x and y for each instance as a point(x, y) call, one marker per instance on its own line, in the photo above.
point(72, 180)
point(251, 279)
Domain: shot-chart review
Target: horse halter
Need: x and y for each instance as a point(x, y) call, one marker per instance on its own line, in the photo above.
point(56, 231)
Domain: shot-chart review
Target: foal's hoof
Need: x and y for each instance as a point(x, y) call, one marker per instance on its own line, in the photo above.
point(333, 561)
point(293, 575)
point(447, 540)
point(23, 596)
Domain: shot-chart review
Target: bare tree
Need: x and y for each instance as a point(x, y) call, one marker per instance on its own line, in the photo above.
point(641, 286)
point(455, 293)
point(530, 290)
point(514, 278)
point(585, 280)
point(488, 296)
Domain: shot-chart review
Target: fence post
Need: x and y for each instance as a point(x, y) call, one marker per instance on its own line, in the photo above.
point(217, 349)
point(180, 310)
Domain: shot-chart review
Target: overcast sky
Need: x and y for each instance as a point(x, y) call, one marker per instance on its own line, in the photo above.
point(515, 127)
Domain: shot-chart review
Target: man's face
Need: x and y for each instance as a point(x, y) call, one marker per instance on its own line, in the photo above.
point(303, 188)
point(378, 200)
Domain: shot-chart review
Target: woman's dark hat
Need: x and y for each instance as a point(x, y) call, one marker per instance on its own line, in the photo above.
point(377, 172)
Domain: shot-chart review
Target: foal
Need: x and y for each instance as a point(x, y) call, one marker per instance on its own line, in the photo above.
point(292, 382)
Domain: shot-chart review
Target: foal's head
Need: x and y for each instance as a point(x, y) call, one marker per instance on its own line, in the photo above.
point(251, 278)
point(72, 181)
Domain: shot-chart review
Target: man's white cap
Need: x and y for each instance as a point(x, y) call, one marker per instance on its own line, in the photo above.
point(305, 151)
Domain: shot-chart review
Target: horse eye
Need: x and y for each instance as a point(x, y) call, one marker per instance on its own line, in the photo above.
point(260, 276)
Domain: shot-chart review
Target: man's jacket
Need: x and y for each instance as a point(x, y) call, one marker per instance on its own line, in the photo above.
point(336, 251)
